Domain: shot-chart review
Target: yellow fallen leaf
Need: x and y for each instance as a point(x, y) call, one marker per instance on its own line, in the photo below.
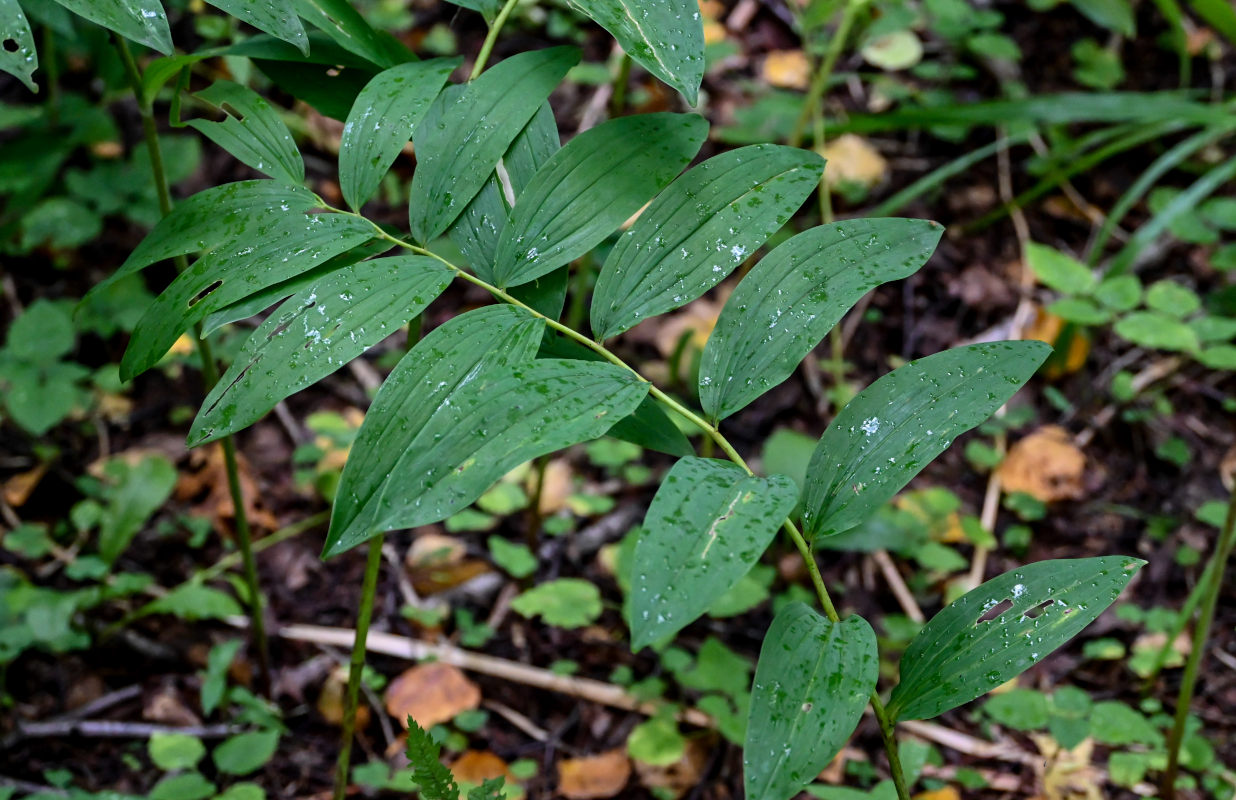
point(1047, 327)
point(852, 159)
point(599, 776)
point(1045, 465)
point(943, 793)
point(787, 69)
point(431, 694)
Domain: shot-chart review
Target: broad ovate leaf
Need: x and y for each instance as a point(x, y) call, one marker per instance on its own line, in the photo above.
point(590, 187)
point(141, 21)
point(451, 355)
point(498, 420)
point(318, 330)
point(697, 231)
point(467, 130)
point(22, 60)
point(476, 231)
point(708, 524)
point(251, 235)
point(666, 37)
point(276, 17)
point(997, 631)
point(790, 301)
point(812, 682)
point(897, 425)
point(252, 131)
point(381, 123)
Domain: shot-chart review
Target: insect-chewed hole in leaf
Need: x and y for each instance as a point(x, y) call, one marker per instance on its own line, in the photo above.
point(10, 46)
point(1032, 613)
point(232, 111)
point(202, 295)
point(994, 611)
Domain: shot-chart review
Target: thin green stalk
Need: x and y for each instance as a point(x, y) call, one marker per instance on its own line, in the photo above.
point(618, 100)
point(369, 589)
point(1223, 549)
point(210, 371)
point(487, 47)
point(819, 82)
point(1178, 625)
point(714, 435)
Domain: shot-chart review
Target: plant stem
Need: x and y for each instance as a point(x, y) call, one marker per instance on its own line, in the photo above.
point(714, 435)
point(618, 100)
point(369, 589)
point(1223, 549)
point(487, 46)
point(210, 372)
point(819, 82)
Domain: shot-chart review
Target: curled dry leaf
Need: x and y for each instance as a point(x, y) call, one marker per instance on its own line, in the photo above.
point(17, 489)
point(1227, 469)
point(205, 481)
point(1046, 465)
point(1047, 327)
point(330, 701)
point(599, 776)
point(1067, 774)
point(431, 694)
point(556, 487)
point(852, 159)
point(477, 766)
point(787, 69)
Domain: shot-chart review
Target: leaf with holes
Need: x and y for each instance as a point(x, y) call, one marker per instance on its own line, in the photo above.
point(897, 425)
point(453, 354)
point(317, 331)
point(17, 54)
point(276, 17)
point(141, 21)
point(709, 522)
point(381, 123)
point(467, 130)
point(496, 421)
point(812, 682)
point(666, 37)
point(252, 234)
point(590, 187)
point(476, 231)
point(994, 633)
point(699, 230)
point(251, 131)
point(790, 301)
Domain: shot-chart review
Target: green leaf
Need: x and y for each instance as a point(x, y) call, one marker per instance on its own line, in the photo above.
point(246, 752)
point(1169, 297)
point(172, 751)
point(1115, 15)
point(898, 424)
point(515, 559)
point(709, 522)
point(466, 131)
point(141, 21)
point(1218, 14)
point(433, 780)
point(452, 354)
point(589, 187)
point(246, 790)
point(315, 332)
point(1157, 331)
point(656, 741)
point(137, 490)
point(381, 123)
point(22, 60)
point(214, 681)
point(345, 25)
point(276, 17)
point(192, 602)
point(1121, 293)
point(666, 37)
point(1081, 310)
point(252, 234)
point(699, 230)
point(477, 230)
point(964, 652)
point(1019, 709)
point(189, 786)
point(1114, 723)
point(790, 301)
point(564, 603)
point(812, 682)
point(252, 131)
point(1219, 356)
point(42, 334)
point(494, 422)
point(40, 396)
point(1061, 272)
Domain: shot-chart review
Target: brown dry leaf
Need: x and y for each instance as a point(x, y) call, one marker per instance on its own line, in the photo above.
point(852, 159)
point(944, 793)
point(206, 475)
point(1046, 465)
point(114, 408)
point(711, 11)
point(107, 149)
point(787, 69)
point(432, 549)
point(1047, 327)
point(330, 701)
point(1227, 469)
point(1067, 774)
point(556, 487)
point(477, 766)
point(437, 562)
point(166, 706)
point(598, 776)
point(17, 489)
point(681, 776)
point(431, 694)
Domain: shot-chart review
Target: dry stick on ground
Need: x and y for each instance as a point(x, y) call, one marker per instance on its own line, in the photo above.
point(898, 586)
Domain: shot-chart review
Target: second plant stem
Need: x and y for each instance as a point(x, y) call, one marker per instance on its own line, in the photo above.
point(369, 589)
point(210, 372)
point(713, 434)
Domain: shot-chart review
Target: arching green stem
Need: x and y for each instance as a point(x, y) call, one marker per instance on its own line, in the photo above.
point(487, 47)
